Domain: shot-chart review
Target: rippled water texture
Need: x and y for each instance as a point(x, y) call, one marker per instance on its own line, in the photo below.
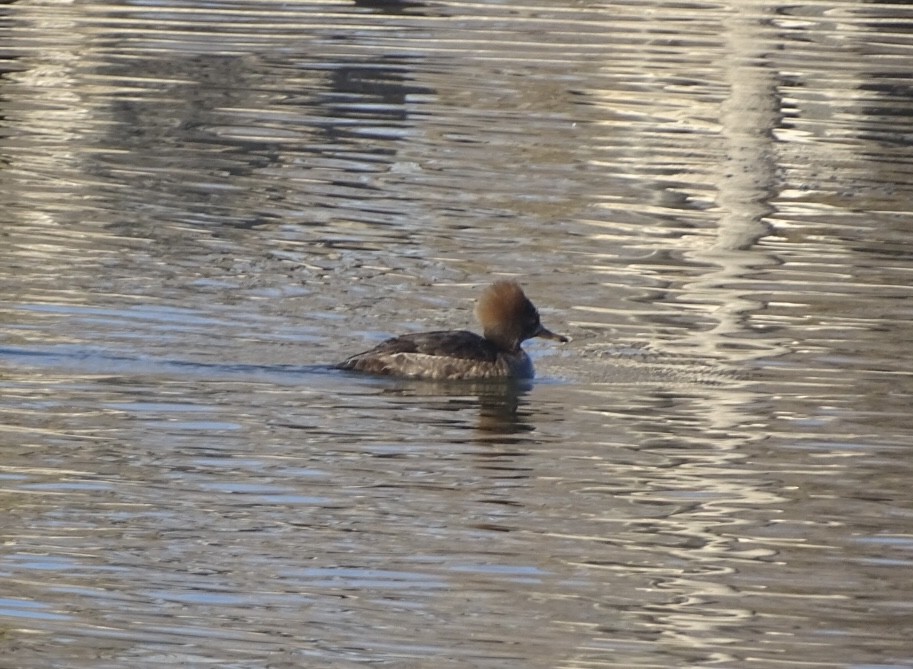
point(202, 206)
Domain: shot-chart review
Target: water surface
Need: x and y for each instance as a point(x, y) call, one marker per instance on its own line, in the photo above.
point(205, 205)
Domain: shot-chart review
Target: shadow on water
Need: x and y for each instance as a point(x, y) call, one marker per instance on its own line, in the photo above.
point(103, 361)
point(499, 404)
point(501, 407)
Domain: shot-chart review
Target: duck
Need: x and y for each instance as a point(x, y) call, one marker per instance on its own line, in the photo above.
point(507, 317)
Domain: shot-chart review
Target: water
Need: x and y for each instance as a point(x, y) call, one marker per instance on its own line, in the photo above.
point(203, 206)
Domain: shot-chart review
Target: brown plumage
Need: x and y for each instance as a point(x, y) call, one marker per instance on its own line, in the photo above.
point(508, 318)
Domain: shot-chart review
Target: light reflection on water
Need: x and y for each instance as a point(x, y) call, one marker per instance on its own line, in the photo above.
point(204, 207)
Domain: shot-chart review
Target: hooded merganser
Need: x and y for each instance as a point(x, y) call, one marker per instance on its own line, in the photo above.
point(508, 319)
